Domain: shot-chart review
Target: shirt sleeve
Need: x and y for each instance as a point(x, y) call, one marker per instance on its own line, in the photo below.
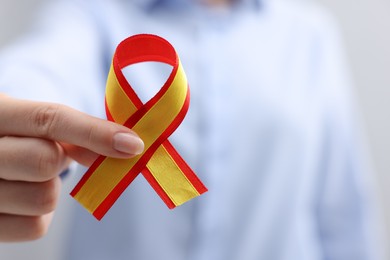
point(59, 60)
point(347, 209)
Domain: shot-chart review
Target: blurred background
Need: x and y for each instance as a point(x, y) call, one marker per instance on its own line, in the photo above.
point(365, 25)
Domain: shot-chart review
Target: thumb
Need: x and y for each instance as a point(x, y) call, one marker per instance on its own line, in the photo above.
point(63, 124)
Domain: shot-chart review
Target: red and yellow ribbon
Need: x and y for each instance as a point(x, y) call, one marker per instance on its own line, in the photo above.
point(154, 122)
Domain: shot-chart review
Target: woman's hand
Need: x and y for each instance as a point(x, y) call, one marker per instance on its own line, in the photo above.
point(37, 143)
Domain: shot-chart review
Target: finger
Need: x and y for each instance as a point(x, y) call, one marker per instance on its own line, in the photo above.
point(23, 228)
point(29, 198)
point(80, 154)
point(31, 159)
point(61, 123)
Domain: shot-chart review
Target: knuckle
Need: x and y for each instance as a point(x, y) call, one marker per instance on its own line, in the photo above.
point(92, 130)
point(45, 118)
point(36, 228)
point(49, 162)
point(47, 197)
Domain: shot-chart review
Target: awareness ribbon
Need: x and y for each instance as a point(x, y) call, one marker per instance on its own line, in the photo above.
point(154, 122)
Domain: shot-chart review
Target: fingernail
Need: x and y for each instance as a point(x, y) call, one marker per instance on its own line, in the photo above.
point(128, 143)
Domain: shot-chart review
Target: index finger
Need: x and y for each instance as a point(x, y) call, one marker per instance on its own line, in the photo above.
point(64, 124)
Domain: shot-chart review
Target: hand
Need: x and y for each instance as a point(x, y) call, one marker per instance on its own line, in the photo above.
point(37, 142)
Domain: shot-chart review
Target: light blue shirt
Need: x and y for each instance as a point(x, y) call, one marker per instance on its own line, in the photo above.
point(271, 130)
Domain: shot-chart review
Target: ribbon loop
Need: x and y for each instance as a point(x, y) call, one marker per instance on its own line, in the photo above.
point(154, 122)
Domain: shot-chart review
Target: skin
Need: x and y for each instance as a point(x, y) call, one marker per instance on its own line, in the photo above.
point(37, 142)
point(216, 2)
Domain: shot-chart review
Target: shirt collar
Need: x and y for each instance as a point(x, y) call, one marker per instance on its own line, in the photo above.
point(147, 4)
